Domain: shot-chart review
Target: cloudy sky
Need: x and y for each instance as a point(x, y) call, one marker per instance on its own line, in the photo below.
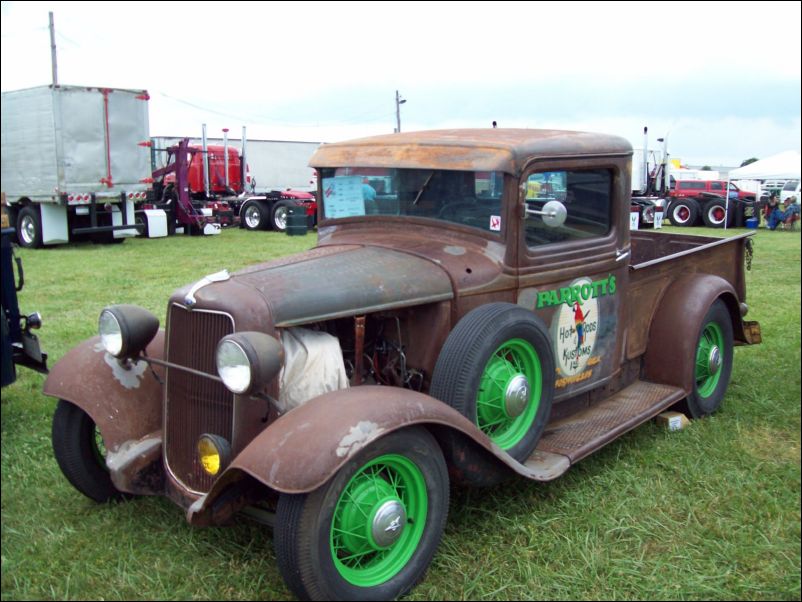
point(720, 80)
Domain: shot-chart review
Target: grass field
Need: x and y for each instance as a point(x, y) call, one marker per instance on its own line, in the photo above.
point(710, 512)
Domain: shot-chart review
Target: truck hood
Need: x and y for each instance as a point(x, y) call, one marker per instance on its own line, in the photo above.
point(331, 282)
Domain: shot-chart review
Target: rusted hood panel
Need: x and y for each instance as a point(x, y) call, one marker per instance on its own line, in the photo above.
point(339, 281)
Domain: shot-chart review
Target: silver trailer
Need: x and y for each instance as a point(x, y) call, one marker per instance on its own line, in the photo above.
point(75, 161)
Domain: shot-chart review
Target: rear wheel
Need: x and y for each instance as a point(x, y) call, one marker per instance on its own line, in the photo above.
point(715, 213)
point(371, 531)
point(81, 453)
point(684, 212)
point(254, 215)
point(279, 217)
point(29, 227)
point(713, 362)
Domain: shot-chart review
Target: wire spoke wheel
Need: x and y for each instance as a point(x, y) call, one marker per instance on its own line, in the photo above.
point(509, 393)
point(709, 359)
point(379, 520)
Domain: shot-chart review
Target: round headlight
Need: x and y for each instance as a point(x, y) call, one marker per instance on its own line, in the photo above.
point(233, 366)
point(248, 361)
point(125, 330)
point(111, 335)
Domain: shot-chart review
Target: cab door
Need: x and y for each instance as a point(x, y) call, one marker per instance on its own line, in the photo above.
point(573, 275)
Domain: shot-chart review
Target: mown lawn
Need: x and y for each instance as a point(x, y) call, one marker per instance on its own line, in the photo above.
point(710, 512)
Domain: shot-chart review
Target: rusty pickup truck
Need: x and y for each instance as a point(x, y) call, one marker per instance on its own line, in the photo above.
point(476, 308)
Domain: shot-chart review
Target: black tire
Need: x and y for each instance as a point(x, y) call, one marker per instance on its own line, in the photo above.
point(487, 339)
point(29, 227)
point(142, 219)
point(254, 215)
point(684, 212)
point(710, 385)
point(313, 553)
point(714, 212)
point(80, 453)
point(279, 216)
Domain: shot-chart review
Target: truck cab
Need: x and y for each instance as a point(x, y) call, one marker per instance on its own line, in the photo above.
point(476, 308)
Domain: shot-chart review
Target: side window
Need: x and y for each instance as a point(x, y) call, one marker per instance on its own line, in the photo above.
point(716, 186)
point(586, 195)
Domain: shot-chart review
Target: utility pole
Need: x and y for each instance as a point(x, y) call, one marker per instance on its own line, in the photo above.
point(398, 102)
point(53, 61)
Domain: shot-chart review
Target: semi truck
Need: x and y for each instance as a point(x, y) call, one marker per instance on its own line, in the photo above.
point(217, 180)
point(75, 162)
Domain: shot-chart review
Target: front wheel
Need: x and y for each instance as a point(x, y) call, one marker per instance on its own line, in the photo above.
point(81, 454)
point(371, 531)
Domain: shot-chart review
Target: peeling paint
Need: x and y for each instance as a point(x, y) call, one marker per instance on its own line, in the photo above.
point(359, 436)
point(454, 250)
point(129, 451)
point(129, 377)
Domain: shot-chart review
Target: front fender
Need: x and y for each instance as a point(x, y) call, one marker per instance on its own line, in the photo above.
point(671, 351)
point(303, 449)
point(126, 405)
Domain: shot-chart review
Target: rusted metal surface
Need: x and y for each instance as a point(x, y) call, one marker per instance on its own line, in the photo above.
point(136, 466)
point(368, 279)
point(587, 431)
point(507, 150)
point(125, 404)
point(194, 405)
point(674, 332)
point(301, 450)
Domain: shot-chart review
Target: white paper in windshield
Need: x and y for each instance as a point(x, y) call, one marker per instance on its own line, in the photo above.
point(342, 196)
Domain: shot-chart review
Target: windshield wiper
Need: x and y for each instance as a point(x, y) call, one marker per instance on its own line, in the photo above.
point(422, 188)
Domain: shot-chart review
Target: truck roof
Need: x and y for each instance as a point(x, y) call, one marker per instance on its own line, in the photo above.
point(507, 150)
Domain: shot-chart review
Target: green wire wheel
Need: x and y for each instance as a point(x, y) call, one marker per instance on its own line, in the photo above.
point(497, 369)
point(371, 531)
point(712, 362)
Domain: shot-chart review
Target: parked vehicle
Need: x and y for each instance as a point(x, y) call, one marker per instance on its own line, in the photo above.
point(217, 180)
point(20, 346)
point(693, 200)
point(456, 325)
point(790, 189)
point(74, 162)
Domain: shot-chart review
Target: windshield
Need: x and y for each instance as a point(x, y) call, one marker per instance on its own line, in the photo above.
point(461, 197)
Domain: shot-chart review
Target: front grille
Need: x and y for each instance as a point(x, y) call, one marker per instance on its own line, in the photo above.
point(195, 405)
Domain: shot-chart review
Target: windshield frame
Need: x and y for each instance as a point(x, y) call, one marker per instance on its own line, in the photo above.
point(420, 195)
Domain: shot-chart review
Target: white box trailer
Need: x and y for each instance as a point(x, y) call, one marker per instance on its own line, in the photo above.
point(75, 161)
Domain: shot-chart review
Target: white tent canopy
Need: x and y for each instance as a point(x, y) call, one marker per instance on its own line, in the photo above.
point(782, 166)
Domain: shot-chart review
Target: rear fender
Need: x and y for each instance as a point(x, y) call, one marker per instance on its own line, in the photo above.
point(126, 405)
point(303, 449)
point(671, 351)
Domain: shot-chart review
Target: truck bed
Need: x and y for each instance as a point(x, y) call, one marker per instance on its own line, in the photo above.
point(659, 259)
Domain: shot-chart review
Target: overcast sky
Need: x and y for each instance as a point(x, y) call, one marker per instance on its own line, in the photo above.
point(721, 80)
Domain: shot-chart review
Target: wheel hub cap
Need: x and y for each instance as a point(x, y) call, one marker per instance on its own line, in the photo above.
point(714, 360)
point(516, 396)
point(388, 523)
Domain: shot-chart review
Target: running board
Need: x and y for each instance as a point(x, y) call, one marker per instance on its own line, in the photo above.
point(567, 441)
